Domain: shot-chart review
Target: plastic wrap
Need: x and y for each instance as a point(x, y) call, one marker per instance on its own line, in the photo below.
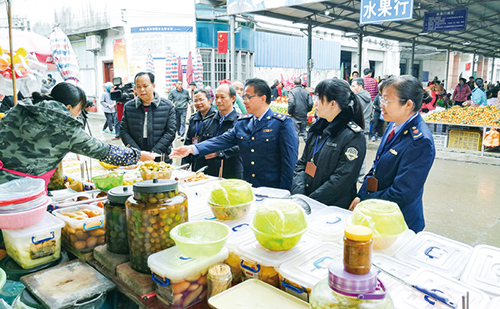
point(383, 217)
point(21, 190)
point(231, 192)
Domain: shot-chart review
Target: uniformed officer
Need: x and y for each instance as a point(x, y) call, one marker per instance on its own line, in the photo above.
point(335, 148)
point(267, 140)
point(406, 152)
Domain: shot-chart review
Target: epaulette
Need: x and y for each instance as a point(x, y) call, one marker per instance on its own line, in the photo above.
point(354, 127)
point(416, 133)
point(245, 117)
point(279, 116)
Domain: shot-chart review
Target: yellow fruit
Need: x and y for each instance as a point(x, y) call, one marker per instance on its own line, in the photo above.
point(108, 166)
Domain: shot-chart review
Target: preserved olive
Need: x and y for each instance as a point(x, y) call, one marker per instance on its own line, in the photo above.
point(116, 219)
point(357, 249)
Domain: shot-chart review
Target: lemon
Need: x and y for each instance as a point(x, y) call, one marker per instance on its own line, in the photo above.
point(108, 166)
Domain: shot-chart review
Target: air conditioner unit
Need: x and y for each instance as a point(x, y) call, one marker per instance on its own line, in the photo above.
point(93, 42)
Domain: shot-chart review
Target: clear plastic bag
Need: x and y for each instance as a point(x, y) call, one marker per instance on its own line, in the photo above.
point(231, 192)
point(383, 217)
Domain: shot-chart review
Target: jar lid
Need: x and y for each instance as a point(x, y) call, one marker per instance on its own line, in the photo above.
point(358, 233)
point(360, 286)
point(155, 185)
point(120, 194)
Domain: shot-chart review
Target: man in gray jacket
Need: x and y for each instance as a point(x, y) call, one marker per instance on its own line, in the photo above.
point(180, 98)
point(299, 104)
point(364, 98)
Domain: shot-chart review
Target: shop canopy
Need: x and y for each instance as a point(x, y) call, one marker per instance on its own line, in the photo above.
point(481, 35)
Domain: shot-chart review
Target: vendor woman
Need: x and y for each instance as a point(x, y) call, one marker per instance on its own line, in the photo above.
point(35, 137)
point(335, 148)
point(405, 154)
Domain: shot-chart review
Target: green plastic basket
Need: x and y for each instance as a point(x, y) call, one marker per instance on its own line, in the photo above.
point(105, 182)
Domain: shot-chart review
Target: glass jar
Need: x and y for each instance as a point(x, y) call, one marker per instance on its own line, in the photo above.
point(56, 181)
point(116, 219)
point(152, 212)
point(357, 249)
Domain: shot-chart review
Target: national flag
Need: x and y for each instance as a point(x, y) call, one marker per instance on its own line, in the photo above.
point(222, 41)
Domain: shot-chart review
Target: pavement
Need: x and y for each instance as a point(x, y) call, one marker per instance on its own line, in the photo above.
point(461, 194)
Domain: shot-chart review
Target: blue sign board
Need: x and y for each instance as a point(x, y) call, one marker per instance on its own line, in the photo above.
point(379, 11)
point(161, 29)
point(445, 20)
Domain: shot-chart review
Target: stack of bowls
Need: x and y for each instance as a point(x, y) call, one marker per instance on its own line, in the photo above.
point(23, 202)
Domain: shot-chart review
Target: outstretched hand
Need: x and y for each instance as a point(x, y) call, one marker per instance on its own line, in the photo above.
point(147, 156)
point(181, 152)
point(354, 202)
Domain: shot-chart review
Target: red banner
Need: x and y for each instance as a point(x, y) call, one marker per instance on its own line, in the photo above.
point(467, 66)
point(222, 41)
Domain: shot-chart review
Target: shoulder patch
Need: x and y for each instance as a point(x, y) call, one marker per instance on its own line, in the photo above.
point(245, 117)
point(351, 153)
point(354, 127)
point(279, 116)
point(416, 133)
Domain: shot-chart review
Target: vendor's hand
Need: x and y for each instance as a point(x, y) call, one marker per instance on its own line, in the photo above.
point(147, 156)
point(354, 202)
point(211, 155)
point(181, 152)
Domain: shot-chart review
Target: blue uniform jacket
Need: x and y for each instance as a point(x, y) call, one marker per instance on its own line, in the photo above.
point(402, 169)
point(268, 149)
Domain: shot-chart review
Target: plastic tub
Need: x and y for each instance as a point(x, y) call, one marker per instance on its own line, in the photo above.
point(10, 290)
point(200, 239)
point(260, 263)
point(299, 275)
point(483, 270)
point(230, 212)
point(329, 223)
point(394, 266)
point(408, 298)
point(401, 240)
point(436, 252)
point(84, 234)
point(230, 199)
point(182, 282)
point(20, 191)
point(35, 245)
point(22, 219)
point(109, 181)
point(159, 170)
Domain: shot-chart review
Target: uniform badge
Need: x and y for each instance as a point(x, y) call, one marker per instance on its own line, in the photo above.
point(415, 131)
point(267, 130)
point(351, 153)
point(405, 132)
point(394, 152)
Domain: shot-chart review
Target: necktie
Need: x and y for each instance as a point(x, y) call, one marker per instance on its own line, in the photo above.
point(391, 135)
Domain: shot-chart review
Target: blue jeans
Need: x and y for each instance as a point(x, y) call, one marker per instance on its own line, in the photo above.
point(180, 121)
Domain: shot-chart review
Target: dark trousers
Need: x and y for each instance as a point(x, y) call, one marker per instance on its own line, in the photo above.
point(300, 127)
point(110, 120)
point(377, 125)
point(180, 118)
point(117, 126)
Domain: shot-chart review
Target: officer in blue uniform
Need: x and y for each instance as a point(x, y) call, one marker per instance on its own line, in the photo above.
point(406, 152)
point(267, 140)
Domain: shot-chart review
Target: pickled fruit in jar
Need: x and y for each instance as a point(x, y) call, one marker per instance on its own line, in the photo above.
point(116, 219)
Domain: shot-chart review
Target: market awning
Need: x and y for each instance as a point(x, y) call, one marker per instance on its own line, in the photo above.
point(482, 34)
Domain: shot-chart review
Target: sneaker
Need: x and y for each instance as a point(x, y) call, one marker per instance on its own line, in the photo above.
point(374, 138)
point(115, 138)
point(112, 132)
point(104, 130)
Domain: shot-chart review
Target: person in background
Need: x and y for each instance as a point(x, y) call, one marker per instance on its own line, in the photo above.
point(405, 154)
point(335, 147)
point(432, 90)
point(299, 104)
point(36, 136)
point(108, 107)
point(274, 90)
point(471, 85)
point(354, 75)
point(370, 83)
point(45, 87)
point(461, 92)
point(364, 99)
point(227, 161)
point(181, 100)
point(212, 96)
point(192, 89)
point(478, 96)
point(205, 110)
point(8, 102)
point(51, 81)
point(239, 106)
point(238, 103)
point(267, 140)
point(148, 121)
point(284, 91)
point(378, 121)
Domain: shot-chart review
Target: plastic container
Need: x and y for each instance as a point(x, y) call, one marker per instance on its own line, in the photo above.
point(82, 234)
point(329, 223)
point(200, 239)
point(116, 219)
point(401, 240)
point(483, 270)
point(299, 275)
point(154, 210)
point(279, 224)
point(29, 300)
point(22, 219)
point(436, 252)
point(357, 249)
point(383, 217)
point(219, 279)
point(10, 290)
point(109, 181)
point(159, 170)
point(180, 281)
point(20, 191)
point(56, 181)
point(230, 199)
point(260, 263)
point(3, 278)
point(394, 266)
point(405, 297)
point(255, 294)
point(37, 244)
point(465, 139)
point(341, 289)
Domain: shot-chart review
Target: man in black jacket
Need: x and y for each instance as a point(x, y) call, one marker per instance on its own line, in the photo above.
point(148, 121)
point(299, 104)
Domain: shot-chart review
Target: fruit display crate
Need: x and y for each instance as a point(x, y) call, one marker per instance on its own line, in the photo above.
point(465, 139)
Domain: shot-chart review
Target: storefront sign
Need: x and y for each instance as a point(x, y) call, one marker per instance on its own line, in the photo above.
point(244, 6)
point(445, 20)
point(379, 11)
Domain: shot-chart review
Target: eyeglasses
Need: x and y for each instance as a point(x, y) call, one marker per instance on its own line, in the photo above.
point(384, 101)
point(247, 97)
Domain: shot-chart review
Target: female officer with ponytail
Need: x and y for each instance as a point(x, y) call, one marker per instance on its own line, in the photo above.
point(335, 147)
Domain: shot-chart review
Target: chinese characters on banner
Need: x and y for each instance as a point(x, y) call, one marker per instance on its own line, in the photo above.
point(379, 11)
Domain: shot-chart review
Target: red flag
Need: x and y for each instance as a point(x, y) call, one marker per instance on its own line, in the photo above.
point(467, 66)
point(222, 41)
point(189, 70)
point(179, 69)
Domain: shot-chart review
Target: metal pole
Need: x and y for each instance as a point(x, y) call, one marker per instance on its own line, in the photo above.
point(12, 69)
point(412, 56)
point(492, 69)
point(447, 68)
point(233, 45)
point(474, 64)
point(309, 54)
point(360, 54)
point(96, 80)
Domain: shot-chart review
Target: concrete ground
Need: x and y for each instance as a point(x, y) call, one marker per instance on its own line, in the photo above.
point(461, 195)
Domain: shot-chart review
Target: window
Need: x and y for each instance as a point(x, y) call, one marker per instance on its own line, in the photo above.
point(215, 66)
